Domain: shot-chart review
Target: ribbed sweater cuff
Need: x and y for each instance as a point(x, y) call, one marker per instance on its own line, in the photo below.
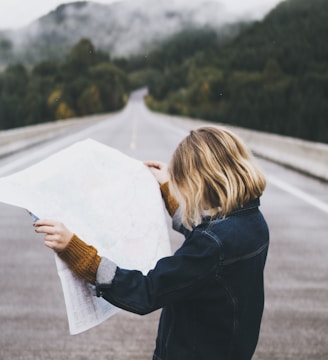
point(170, 202)
point(81, 258)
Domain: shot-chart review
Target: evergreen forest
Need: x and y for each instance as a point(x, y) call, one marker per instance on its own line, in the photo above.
point(272, 77)
point(85, 83)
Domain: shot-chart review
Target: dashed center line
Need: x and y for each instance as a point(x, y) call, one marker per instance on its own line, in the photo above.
point(133, 142)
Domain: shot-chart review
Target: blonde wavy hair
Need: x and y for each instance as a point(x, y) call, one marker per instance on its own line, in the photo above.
point(212, 173)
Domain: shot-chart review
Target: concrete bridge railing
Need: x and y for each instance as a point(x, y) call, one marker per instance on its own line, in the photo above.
point(17, 139)
point(305, 156)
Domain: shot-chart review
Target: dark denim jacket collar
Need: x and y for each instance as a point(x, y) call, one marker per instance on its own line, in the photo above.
point(252, 204)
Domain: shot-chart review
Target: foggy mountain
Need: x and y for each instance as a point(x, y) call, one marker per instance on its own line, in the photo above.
point(121, 28)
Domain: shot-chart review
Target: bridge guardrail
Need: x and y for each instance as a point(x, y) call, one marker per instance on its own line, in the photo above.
point(308, 157)
point(17, 139)
point(305, 156)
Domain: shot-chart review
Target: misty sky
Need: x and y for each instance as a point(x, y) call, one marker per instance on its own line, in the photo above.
point(18, 13)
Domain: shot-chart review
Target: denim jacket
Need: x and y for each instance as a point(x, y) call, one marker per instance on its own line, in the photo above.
point(211, 290)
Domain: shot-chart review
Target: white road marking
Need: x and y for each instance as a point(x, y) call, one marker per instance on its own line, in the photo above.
point(298, 193)
point(133, 142)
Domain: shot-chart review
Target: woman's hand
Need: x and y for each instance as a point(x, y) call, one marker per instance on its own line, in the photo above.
point(57, 236)
point(159, 170)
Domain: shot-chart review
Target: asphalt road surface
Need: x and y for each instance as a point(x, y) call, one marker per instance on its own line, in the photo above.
point(33, 323)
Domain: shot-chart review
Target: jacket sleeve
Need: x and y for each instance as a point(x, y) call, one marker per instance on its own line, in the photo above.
point(175, 278)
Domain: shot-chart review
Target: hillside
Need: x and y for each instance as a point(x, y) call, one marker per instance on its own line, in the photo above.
point(294, 34)
point(272, 77)
point(120, 29)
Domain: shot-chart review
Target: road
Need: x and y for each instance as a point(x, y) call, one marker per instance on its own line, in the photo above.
point(33, 322)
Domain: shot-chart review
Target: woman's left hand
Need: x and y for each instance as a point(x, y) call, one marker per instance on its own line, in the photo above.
point(57, 235)
point(159, 170)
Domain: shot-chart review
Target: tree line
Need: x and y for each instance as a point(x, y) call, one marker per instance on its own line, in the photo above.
point(86, 82)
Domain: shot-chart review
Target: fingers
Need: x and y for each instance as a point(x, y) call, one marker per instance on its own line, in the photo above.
point(155, 164)
point(48, 227)
point(45, 222)
point(159, 170)
point(43, 229)
point(54, 242)
point(57, 236)
point(51, 241)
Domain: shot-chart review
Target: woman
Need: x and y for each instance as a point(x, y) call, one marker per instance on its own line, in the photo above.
point(211, 290)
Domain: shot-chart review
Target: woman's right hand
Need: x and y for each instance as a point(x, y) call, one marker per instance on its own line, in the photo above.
point(57, 235)
point(159, 170)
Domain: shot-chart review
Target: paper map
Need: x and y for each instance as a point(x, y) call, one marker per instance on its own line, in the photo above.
point(109, 200)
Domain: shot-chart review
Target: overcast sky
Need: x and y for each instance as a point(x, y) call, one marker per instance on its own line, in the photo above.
point(18, 13)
